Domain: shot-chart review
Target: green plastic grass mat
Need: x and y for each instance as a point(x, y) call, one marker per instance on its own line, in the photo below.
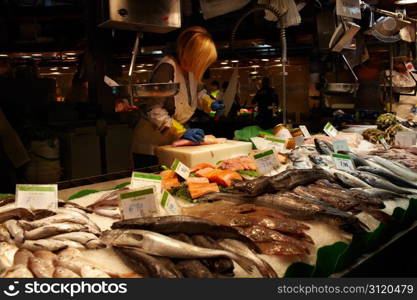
point(6, 195)
point(122, 185)
point(246, 133)
point(337, 257)
point(81, 194)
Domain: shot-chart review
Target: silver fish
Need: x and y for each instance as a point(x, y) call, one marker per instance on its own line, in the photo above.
point(78, 213)
point(323, 147)
point(161, 245)
point(396, 168)
point(322, 160)
point(110, 212)
point(379, 193)
point(7, 252)
point(240, 248)
point(60, 218)
point(92, 272)
point(15, 230)
point(61, 272)
point(49, 244)
point(381, 183)
point(396, 179)
point(80, 237)
point(53, 229)
point(4, 234)
point(21, 257)
point(71, 260)
point(18, 271)
point(40, 267)
point(347, 179)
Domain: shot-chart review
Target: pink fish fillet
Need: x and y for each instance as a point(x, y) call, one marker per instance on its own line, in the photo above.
point(208, 140)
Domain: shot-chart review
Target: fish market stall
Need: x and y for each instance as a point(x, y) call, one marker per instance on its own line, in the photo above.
point(298, 214)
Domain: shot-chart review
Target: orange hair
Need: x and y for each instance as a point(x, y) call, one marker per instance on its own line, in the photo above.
point(196, 51)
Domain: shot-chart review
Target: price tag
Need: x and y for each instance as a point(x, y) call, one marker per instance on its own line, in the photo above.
point(383, 142)
point(266, 161)
point(343, 162)
point(349, 8)
point(37, 196)
point(260, 143)
point(279, 145)
point(170, 204)
point(340, 145)
point(146, 179)
point(181, 169)
point(330, 130)
point(305, 131)
point(299, 140)
point(138, 203)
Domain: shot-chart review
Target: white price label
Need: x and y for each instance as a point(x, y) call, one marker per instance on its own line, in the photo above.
point(349, 8)
point(279, 145)
point(140, 180)
point(170, 204)
point(330, 130)
point(266, 161)
point(181, 169)
point(384, 143)
point(305, 131)
point(343, 162)
point(340, 145)
point(37, 196)
point(138, 203)
point(260, 143)
point(299, 140)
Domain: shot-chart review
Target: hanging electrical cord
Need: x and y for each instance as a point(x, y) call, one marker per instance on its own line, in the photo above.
point(278, 14)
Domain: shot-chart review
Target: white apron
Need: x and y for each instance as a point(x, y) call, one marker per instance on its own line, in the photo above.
point(146, 136)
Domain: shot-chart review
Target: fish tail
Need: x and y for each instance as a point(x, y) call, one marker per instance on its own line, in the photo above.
point(246, 263)
point(265, 269)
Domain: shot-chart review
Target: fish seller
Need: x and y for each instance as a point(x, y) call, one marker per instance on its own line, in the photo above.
point(166, 118)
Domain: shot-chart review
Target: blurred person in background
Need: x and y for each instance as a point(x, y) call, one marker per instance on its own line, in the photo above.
point(165, 119)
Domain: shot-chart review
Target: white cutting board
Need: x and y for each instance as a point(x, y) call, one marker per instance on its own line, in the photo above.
point(193, 155)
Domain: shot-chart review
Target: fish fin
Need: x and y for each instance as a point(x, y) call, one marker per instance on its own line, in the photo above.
point(268, 271)
point(244, 262)
point(380, 215)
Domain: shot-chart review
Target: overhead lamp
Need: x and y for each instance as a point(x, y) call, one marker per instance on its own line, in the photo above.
point(36, 54)
point(255, 66)
point(123, 66)
point(405, 2)
point(70, 53)
point(56, 73)
point(3, 55)
point(277, 60)
point(54, 69)
point(235, 61)
point(227, 67)
point(65, 68)
point(149, 65)
point(26, 56)
point(265, 59)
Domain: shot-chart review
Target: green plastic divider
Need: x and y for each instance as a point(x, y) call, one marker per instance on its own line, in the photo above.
point(122, 185)
point(337, 257)
point(81, 194)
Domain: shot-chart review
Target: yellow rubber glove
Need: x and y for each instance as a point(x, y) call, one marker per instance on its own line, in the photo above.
point(207, 101)
point(177, 128)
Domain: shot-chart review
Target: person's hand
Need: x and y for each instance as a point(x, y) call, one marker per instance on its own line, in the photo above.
point(217, 105)
point(195, 135)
